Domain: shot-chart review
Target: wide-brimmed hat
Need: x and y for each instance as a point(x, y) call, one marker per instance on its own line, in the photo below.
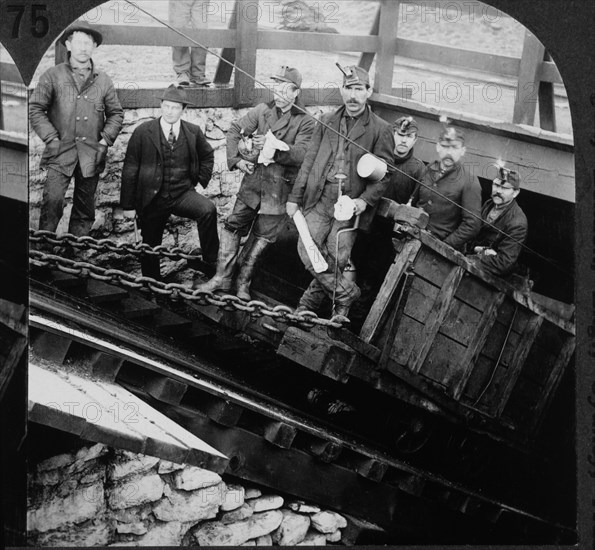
point(82, 26)
point(289, 74)
point(176, 94)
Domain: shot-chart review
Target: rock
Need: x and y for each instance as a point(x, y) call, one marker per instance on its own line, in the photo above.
point(190, 506)
point(233, 498)
point(328, 522)
point(91, 453)
point(216, 533)
point(131, 528)
point(136, 491)
point(51, 477)
point(249, 543)
point(303, 508)
point(292, 530)
point(81, 505)
point(266, 502)
point(334, 537)
point(94, 534)
point(251, 492)
point(58, 461)
point(163, 534)
point(132, 515)
point(92, 477)
point(131, 463)
point(191, 478)
point(265, 540)
point(313, 539)
point(245, 511)
point(166, 467)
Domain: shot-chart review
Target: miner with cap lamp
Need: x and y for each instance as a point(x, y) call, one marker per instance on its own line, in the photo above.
point(504, 226)
point(75, 111)
point(329, 170)
point(455, 221)
point(165, 160)
point(260, 204)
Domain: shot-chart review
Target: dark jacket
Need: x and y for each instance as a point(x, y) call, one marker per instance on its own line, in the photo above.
point(142, 174)
point(373, 134)
point(268, 187)
point(78, 118)
point(404, 181)
point(511, 221)
point(448, 222)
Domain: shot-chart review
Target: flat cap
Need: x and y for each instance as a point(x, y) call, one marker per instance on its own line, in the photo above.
point(289, 74)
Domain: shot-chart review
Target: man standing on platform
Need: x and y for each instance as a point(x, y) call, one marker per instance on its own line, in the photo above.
point(165, 159)
point(76, 112)
point(332, 157)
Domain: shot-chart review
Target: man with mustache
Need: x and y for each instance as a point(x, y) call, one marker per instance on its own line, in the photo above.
point(332, 157)
point(497, 251)
point(455, 221)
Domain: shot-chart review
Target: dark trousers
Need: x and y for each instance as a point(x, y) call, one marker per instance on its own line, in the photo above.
point(265, 226)
point(189, 205)
point(83, 201)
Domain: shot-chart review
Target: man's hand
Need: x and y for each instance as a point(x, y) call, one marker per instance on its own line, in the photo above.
point(258, 141)
point(291, 208)
point(129, 213)
point(360, 206)
point(245, 166)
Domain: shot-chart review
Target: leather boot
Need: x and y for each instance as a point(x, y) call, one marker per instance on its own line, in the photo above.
point(248, 258)
point(229, 245)
point(342, 308)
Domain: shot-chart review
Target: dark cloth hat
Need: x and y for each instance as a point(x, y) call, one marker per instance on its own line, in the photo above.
point(82, 26)
point(405, 125)
point(506, 175)
point(289, 74)
point(354, 75)
point(175, 93)
point(450, 132)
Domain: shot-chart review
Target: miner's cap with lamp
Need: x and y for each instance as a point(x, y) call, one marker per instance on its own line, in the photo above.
point(289, 74)
point(81, 26)
point(354, 75)
point(405, 125)
point(506, 175)
point(450, 133)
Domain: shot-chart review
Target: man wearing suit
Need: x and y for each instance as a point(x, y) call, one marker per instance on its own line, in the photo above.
point(165, 159)
point(332, 156)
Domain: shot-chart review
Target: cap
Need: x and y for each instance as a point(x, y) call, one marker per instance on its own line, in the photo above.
point(450, 132)
point(82, 26)
point(176, 94)
point(354, 75)
point(405, 125)
point(289, 74)
point(506, 175)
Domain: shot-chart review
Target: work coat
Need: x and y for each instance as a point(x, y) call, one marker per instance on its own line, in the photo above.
point(78, 118)
point(267, 188)
point(372, 134)
point(142, 173)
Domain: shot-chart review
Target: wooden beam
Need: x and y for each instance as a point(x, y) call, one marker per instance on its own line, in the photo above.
point(547, 104)
point(225, 65)
point(385, 58)
point(317, 41)
point(366, 58)
point(528, 81)
point(246, 45)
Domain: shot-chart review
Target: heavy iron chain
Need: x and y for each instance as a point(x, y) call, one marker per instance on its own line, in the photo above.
point(228, 302)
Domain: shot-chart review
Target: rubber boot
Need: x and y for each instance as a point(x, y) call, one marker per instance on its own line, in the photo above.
point(229, 246)
point(248, 258)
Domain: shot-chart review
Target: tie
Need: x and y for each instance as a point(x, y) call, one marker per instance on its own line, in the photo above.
point(171, 139)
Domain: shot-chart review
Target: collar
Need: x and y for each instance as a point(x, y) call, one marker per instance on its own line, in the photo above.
point(294, 110)
point(401, 160)
point(165, 127)
point(90, 65)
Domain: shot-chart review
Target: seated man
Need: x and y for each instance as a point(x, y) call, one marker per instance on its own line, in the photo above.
point(504, 226)
point(165, 159)
point(449, 194)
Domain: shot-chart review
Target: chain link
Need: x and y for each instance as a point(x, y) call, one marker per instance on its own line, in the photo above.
point(228, 302)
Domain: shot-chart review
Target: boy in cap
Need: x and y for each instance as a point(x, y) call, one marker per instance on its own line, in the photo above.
point(331, 158)
point(497, 253)
point(458, 223)
point(260, 204)
point(165, 159)
point(75, 111)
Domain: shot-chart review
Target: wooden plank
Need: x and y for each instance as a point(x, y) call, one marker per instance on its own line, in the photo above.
point(67, 281)
point(221, 411)
point(386, 294)
point(305, 348)
point(372, 469)
point(320, 41)
point(169, 322)
point(107, 366)
point(550, 73)
point(441, 360)
point(547, 104)
point(366, 58)
point(385, 57)
point(439, 313)
point(408, 338)
point(526, 96)
point(10, 73)
point(458, 379)
point(280, 434)
point(51, 347)
point(144, 95)
point(326, 451)
point(225, 65)
point(136, 307)
point(246, 45)
point(461, 322)
point(99, 292)
point(166, 389)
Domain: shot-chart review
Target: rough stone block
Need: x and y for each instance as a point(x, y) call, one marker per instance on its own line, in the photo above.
point(167, 467)
point(293, 529)
point(233, 498)
point(243, 512)
point(265, 540)
point(131, 528)
point(252, 492)
point(266, 502)
point(328, 522)
point(303, 508)
point(313, 539)
point(163, 534)
point(190, 506)
point(191, 478)
point(216, 533)
point(128, 464)
point(58, 461)
point(93, 534)
point(136, 491)
point(334, 537)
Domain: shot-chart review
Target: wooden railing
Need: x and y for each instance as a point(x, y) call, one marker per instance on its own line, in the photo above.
point(534, 71)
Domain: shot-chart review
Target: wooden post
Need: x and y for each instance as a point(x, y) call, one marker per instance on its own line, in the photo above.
point(246, 45)
point(547, 109)
point(60, 53)
point(528, 82)
point(385, 58)
point(224, 70)
point(366, 58)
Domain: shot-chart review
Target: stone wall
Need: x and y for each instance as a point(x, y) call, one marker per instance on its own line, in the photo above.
point(109, 223)
point(100, 496)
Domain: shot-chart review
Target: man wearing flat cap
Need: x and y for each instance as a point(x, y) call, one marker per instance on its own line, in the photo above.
point(260, 205)
point(504, 226)
point(165, 160)
point(449, 194)
point(340, 139)
point(75, 111)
